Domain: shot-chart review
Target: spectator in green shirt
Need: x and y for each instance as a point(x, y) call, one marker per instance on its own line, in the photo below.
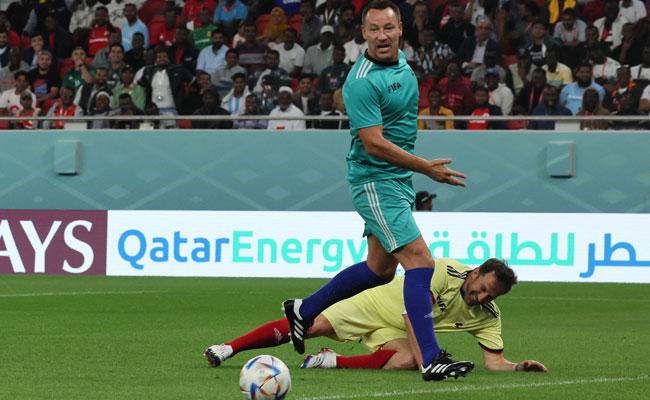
point(128, 86)
point(334, 76)
point(201, 36)
point(81, 73)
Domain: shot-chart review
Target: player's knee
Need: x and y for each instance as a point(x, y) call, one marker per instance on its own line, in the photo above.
point(404, 361)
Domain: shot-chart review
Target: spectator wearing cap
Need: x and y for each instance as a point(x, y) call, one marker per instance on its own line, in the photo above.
point(164, 85)
point(273, 75)
point(81, 73)
point(132, 25)
point(229, 14)
point(319, 56)
point(310, 25)
point(234, 101)
point(63, 107)
point(305, 97)
point(252, 108)
point(572, 94)
point(292, 55)
point(424, 200)
point(334, 76)
point(164, 33)
point(610, 27)
point(213, 57)
point(222, 77)
point(251, 52)
point(10, 98)
point(183, 51)
point(285, 108)
point(435, 109)
point(472, 51)
point(101, 107)
point(202, 30)
point(519, 73)
point(549, 105)
point(499, 94)
point(127, 85)
point(557, 74)
point(210, 106)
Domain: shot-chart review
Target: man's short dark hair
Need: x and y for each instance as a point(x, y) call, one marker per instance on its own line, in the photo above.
point(102, 8)
point(292, 30)
point(434, 90)
point(504, 274)
point(481, 89)
point(571, 12)
point(380, 5)
point(339, 47)
point(238, 75)
point(277, 53)
point(584, 64)
point(20, 73)
point(138, 33)
point(116, 45)
point(125, 96)
point(233, 51)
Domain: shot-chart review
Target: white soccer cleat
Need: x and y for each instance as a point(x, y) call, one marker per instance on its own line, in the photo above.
point(326, 358)
point(218, 353)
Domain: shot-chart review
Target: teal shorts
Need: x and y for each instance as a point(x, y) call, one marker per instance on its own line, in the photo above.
point(385, 206)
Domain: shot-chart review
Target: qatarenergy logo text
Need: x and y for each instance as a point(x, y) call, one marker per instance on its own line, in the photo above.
point(139, 249)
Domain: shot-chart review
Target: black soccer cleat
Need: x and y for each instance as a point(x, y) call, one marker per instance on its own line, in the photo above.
point(298, 326)
point(444, 367)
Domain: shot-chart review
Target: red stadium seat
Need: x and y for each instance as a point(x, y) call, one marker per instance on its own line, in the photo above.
point(297, 25)
point(183, 124)
point(262, 22)
point(295, 18)
point(65, 66)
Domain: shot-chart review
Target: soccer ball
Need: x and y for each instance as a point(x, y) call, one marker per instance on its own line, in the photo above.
point(264, 377)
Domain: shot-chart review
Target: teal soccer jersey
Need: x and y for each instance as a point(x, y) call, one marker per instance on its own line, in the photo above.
point(377, 93)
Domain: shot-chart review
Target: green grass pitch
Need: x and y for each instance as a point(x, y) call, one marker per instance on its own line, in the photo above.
point(141, 338)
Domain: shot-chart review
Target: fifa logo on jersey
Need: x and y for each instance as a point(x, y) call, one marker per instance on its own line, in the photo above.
point(393, 87)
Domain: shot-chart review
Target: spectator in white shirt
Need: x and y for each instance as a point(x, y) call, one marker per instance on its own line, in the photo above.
point(355, 47)
point(319, 56)
point(642, 71)
point(10, 98)
point(285, 108)
point(632, 10)
point(610, 27)
point(604, 67)
point(292, 56)
point(499, 94)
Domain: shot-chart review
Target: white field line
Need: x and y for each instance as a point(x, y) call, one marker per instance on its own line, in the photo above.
point(473, 388)
point(590, 299)
point(79, 293)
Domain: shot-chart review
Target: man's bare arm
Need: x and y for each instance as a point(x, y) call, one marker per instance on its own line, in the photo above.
point(379, 147)
point(497, 362)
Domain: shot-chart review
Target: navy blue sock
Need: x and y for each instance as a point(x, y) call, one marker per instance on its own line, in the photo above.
point(417, 299)
point(352, 280)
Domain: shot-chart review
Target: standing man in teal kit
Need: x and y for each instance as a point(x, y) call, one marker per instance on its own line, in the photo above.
point(381, 97)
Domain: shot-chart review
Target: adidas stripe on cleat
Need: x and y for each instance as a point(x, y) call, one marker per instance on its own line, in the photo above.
point(298, 327)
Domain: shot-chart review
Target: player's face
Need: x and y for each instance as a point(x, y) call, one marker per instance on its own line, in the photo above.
point(382, 30)
point(480, 289)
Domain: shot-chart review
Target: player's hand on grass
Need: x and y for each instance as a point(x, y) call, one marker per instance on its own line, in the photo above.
point(438, 171)
point(530, 366)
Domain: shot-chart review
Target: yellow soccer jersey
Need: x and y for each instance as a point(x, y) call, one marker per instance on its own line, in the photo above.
point(451, 313)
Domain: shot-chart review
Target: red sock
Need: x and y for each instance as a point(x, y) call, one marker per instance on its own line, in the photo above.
point(271, 334)
point(374, 360)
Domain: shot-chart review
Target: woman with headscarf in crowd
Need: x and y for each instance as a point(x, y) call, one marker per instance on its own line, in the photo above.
point(277, 25)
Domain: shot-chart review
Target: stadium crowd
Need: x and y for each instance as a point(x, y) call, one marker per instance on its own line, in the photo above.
point(290, 58)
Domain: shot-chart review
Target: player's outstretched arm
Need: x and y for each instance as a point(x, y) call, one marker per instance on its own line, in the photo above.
point(379, 147)
point(497, 362)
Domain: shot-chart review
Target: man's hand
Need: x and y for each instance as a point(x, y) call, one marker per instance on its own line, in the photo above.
point(530, 366)
point(438, 171)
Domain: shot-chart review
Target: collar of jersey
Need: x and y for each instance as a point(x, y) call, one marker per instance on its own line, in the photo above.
point(382, 63)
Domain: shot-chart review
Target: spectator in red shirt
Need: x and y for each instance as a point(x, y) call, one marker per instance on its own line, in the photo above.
point(192, 10)
point(456, 93)
point(482, 108)
point(100, 30)
point(165, 33)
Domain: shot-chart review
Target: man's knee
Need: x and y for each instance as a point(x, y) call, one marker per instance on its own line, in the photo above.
point(402, 360)
point(320, 327)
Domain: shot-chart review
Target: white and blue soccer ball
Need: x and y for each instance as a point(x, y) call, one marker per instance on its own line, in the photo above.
point(265, 378)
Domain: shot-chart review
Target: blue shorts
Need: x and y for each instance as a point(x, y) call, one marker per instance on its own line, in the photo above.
point(385, 206)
